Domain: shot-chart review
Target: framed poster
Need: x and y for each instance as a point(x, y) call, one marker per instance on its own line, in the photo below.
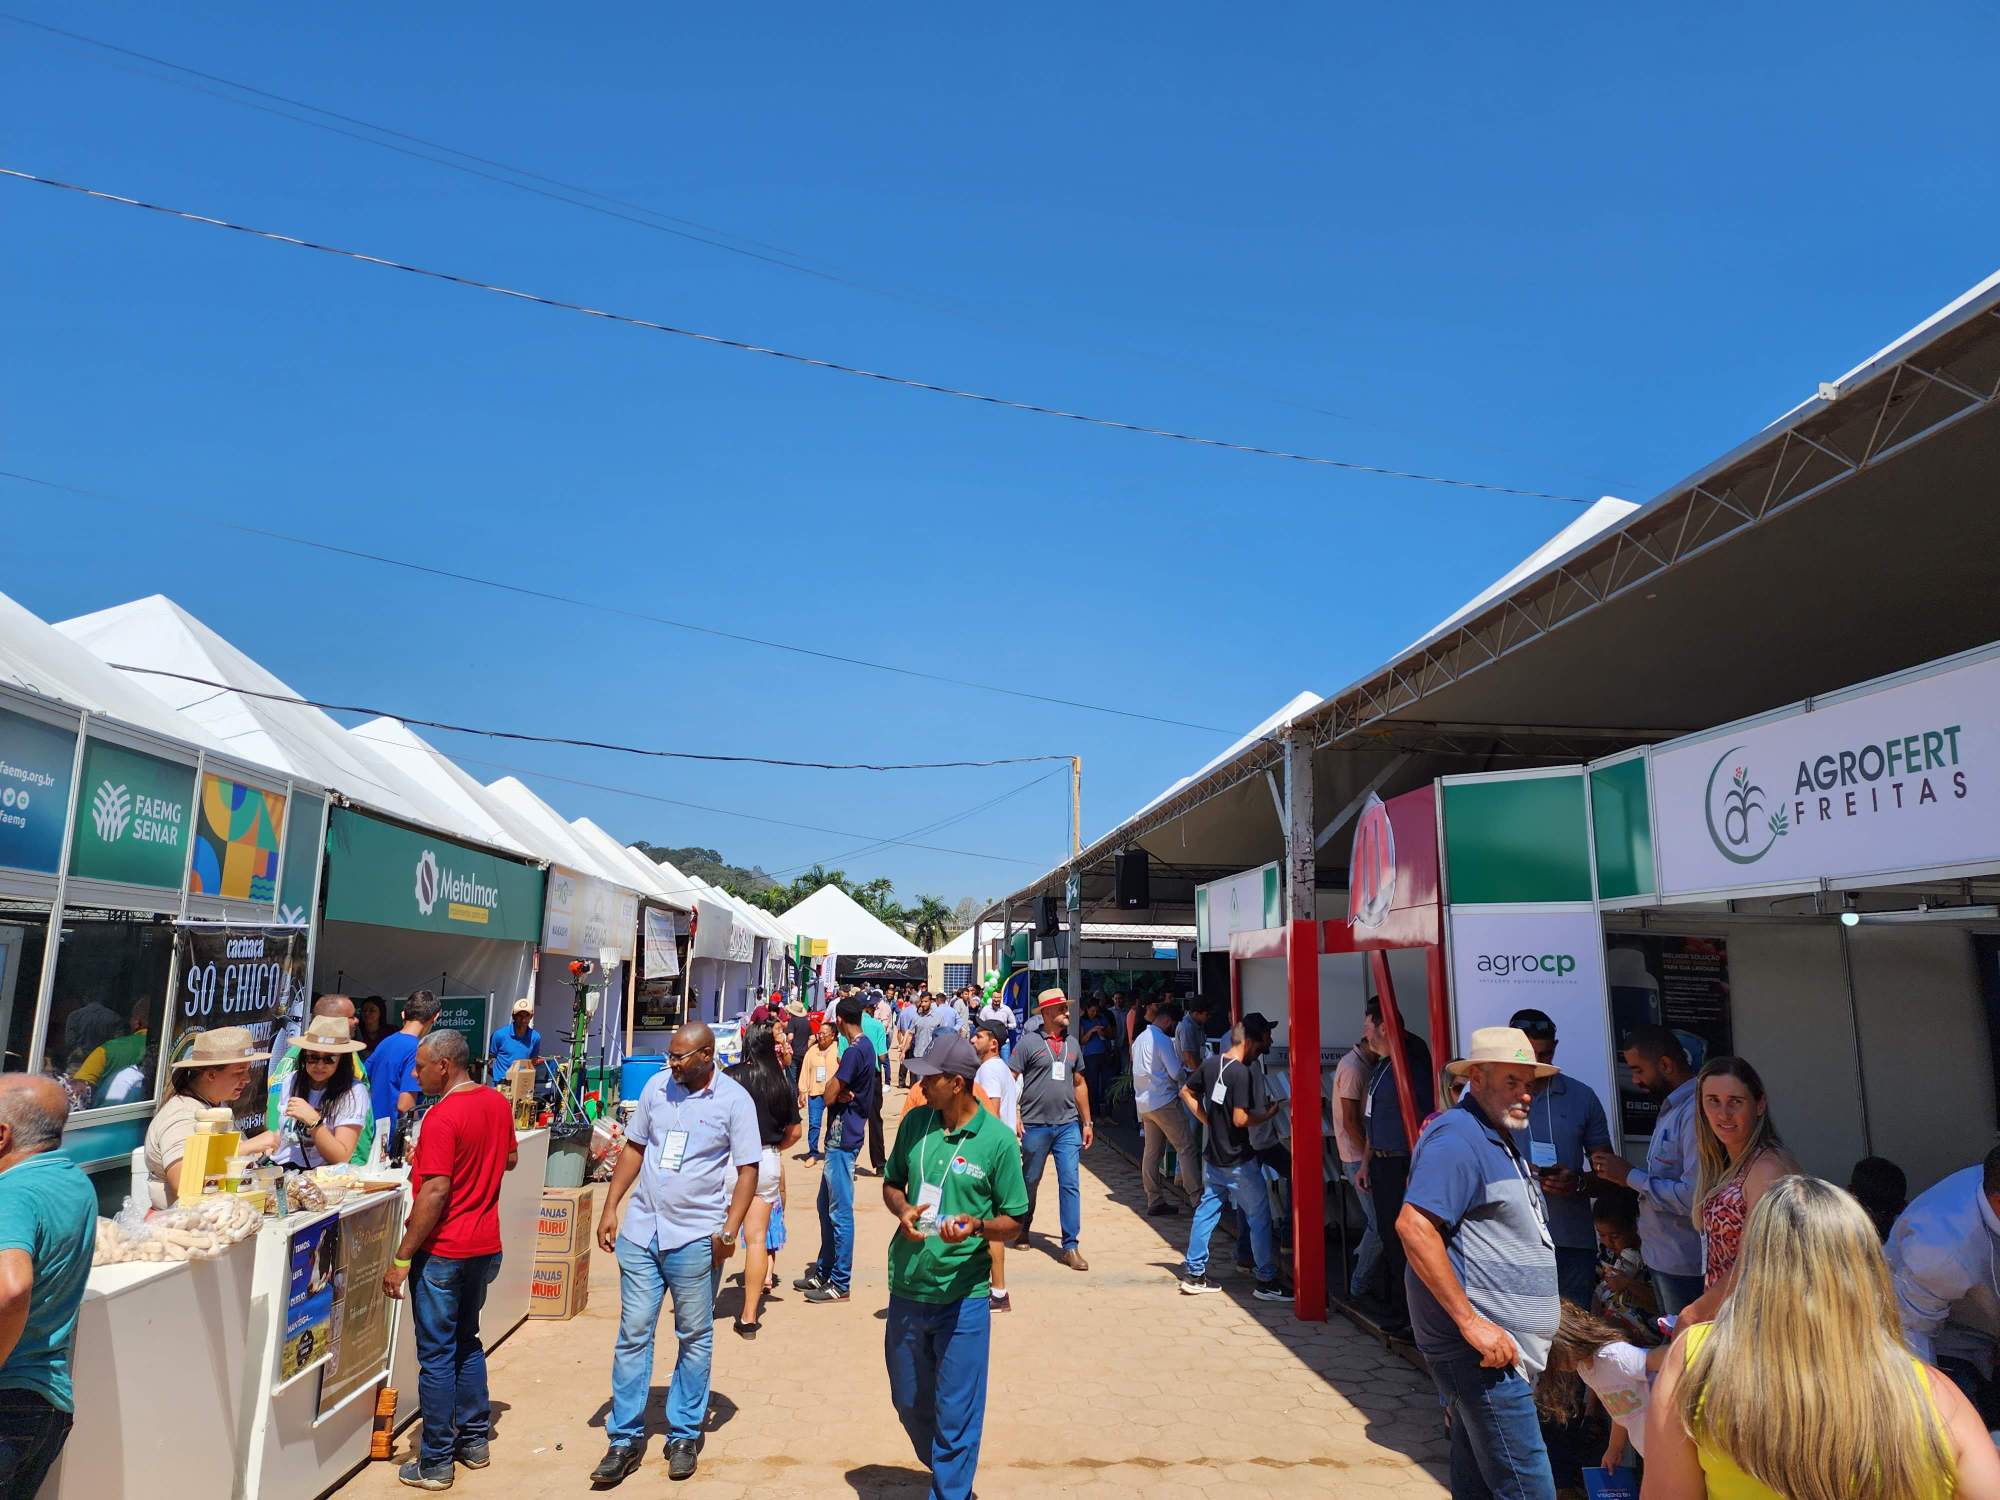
point(362, 1317)
point(313, 1285)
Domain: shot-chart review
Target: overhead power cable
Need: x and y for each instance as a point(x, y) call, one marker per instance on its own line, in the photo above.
point(574, 602)
point(744, 346)
point(555, 739)
point(927, 828)
point(532, 774)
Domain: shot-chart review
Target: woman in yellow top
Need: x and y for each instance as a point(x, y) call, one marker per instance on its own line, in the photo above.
point(1802, 1388)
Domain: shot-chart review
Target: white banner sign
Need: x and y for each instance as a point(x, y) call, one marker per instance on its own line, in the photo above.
point(585, 914)
point(662, 956)
point(713, 926)
point(742, 939)
point(1551, 961)
point(1246, 902)
point(1903, 778)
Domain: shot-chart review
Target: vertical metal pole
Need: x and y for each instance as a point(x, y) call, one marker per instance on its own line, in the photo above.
point(46, 984)
point(978, 943)
point(1006, 963)
point(1301, 855)
point(1854, 1020)
point(1075, 805)
point(1074, 981)
point(1308, 1170)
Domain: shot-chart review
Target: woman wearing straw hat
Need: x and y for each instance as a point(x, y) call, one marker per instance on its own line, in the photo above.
point(1482, 1270)
point(325, 1102)
point(211, 1076)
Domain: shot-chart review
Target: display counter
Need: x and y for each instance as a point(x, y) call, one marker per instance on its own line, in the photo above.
point(159, 1355)
point(182, 1382)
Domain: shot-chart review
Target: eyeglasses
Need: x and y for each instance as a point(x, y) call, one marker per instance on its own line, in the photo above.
point(688, 1056)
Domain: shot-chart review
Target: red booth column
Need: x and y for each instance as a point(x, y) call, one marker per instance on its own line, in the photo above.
point(1308, 1179)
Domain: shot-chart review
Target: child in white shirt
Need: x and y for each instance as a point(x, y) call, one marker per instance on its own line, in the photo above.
point(1590, 1352)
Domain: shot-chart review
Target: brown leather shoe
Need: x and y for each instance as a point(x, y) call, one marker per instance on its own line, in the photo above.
point(1075, 1261)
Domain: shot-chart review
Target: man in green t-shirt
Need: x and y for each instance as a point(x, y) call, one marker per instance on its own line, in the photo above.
point(954, 1184)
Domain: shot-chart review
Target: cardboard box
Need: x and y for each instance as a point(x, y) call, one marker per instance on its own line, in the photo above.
point(567, 1217)
point(561, 1285)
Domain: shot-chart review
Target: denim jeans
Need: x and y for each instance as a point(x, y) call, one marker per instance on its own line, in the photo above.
point(1369, 1253)
point(646, 1274)
point(815, 1113)
point(1674, 1291)
point(937, 1383)
point(32, 1432)
point(446, 1296)
point(1242, 1187)
point(836, 1219)
point(1066, 1141)
point(1496, 1441)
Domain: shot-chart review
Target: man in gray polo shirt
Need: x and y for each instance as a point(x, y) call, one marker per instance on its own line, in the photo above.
point(931, 1019)
point(1482, 1271)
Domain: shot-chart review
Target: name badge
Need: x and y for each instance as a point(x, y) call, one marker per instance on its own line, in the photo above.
point(1219, 1094)
point(1058, 1070)
point(1542, 1153)
point(929, 1197)
point(673, 1150)
point(819, 1075)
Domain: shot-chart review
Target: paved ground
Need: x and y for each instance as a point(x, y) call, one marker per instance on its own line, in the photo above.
point(1105, 1383)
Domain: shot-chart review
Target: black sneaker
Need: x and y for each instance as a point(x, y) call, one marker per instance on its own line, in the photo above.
point(825, 1293)
point(1194, 1286)
point(681, 1458)
point(1163, 1210)
point(1271, 1291)
point(619, 1460)
point(812, 1281)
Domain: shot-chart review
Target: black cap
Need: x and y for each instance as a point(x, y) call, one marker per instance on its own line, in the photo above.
point(995, 1029)
point(1254, 1025)
point(1535, 1023)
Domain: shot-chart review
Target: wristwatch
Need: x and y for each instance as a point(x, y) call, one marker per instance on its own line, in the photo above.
point(727, 1235)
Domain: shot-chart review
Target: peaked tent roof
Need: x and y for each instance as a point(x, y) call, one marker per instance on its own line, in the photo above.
point(157, 633)
point(1298, 705)
point(645, 875)
point(418, 760)
point(848, 927)
point(554, 833)
point(37, 656)
point(1607, 511)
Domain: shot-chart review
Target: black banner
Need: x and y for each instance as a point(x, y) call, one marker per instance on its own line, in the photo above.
point(882, 970)
point(240, 976)
point(1681, 983)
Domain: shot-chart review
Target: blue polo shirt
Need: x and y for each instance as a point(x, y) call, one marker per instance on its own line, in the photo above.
point(677, 1205)
point(507, 1049)
point(1474, 1182)
point(1382, 1112)
point(48, 1210)
point(858, 1074)
point(1565, 1124)
point(392, 1070)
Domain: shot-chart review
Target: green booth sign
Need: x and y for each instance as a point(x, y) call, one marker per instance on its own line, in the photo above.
point(391, 876)
point(132, 818)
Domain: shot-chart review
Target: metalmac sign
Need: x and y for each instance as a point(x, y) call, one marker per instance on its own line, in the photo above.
point(1891, 777)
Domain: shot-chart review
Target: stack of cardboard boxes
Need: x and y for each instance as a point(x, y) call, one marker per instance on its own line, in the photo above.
point(562, 1253)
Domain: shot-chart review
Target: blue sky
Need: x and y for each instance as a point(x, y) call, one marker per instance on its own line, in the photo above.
point(1560, 249)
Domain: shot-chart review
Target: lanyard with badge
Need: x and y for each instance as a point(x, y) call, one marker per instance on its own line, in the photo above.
point(1528, 1176)
point(673, 1146)
point(1058, 1069)
point(930, 1195)
point(1220, 1093)
point(1542, 1153)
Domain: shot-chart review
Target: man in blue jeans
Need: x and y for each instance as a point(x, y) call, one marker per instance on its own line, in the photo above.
point(851, 1096)
point(954, 1184)
point(689, 1170)
point(1482, 1270)
point(1055, 1117)
point(450, 1253)
point(1222, 1096)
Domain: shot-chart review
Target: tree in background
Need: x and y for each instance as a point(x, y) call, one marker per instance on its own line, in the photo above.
point(930, 923)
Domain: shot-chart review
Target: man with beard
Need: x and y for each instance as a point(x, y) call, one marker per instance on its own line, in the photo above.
point(1482, 1270)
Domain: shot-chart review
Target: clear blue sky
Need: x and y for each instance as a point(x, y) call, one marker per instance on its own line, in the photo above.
point(1560, 248)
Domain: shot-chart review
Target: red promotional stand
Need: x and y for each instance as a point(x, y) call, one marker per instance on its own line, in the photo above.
point(1394, 902)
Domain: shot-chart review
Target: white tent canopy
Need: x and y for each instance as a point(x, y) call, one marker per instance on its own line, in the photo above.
point(157, 634)
point(850, 930)
point(421, 762)
point(553, 833)
point(1298, 705)
point(649, 879)
point(36, 656)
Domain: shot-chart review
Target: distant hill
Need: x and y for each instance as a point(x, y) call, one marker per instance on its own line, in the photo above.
point(709, 865)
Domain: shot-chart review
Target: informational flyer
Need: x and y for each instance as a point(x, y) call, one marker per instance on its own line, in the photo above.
point(313, 1286)
point(1679, 982)
point(361, 1314)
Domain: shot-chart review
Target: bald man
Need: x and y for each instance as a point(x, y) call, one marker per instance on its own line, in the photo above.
point(684, 1180)
point(285, 1061)
point(48, 1229)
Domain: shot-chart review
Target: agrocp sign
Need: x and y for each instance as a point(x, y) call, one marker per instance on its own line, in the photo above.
point(1894, 776)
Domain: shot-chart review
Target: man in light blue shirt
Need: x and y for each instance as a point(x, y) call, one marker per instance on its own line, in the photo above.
point(1565, 1124)
point(1670, 1244)
point(518, 1042)
point(689, 1170)
point(1157, 1075)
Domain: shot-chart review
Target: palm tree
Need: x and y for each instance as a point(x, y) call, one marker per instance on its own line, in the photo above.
point(930, 923)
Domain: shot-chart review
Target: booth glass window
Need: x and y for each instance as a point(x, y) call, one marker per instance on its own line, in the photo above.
point(24, 932)
point(108, 1008)
point(956, 977)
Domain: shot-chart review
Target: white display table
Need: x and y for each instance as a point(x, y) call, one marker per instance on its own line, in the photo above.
point(159, 1357)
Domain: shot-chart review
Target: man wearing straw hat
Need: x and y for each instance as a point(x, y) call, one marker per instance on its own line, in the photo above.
point(1055, 1117)
point(1482, 1270)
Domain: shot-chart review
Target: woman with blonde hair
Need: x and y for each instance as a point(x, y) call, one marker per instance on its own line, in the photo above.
point(1739, 1156)
point(1802, 1389)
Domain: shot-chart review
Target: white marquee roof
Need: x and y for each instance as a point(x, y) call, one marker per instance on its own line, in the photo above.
point(848, 927)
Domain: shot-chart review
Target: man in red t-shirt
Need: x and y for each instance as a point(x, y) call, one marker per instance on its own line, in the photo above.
point(449, 1254)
